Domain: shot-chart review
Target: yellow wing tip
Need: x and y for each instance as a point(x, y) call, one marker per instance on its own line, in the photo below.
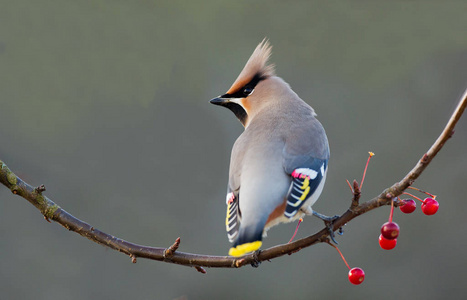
point(245, 248)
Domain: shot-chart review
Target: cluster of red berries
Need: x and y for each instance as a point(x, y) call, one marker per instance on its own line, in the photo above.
point(390, 230)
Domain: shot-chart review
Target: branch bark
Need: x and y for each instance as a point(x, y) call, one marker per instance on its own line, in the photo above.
point(52, 211)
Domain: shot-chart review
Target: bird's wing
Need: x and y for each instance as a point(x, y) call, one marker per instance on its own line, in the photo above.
point(305, 181)
point(305, 158)
point(232, 220)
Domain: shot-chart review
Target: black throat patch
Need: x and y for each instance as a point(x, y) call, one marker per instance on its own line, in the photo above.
point(238, 110)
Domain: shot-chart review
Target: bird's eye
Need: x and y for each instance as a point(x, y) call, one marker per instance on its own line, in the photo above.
point(247, 91)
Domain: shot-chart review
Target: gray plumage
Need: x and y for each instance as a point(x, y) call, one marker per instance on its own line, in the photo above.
point(281, 135)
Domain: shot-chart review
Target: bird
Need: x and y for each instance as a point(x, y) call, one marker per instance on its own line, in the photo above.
point(279, 163)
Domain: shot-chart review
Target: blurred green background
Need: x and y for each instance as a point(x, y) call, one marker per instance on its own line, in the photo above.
point(106, 103)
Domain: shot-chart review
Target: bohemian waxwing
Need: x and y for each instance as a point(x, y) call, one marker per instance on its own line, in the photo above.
point(279, 163)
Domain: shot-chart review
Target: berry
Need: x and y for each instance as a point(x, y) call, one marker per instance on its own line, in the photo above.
point(408, 207)
point(387, 244)
point(356, 276)
point(430, 206)
point(390, 230)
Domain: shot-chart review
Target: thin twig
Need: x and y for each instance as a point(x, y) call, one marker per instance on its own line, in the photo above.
point(350, 186)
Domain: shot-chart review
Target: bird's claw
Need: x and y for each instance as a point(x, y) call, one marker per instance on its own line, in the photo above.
point(330, 226)
point(329, 222)
point(340, 231)
point(256, 262)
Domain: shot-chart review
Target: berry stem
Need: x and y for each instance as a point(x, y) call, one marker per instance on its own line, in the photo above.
point(408, 194)
point(419, 190)
point(392, 210)
point(343, 258)
point(366, 166)
point(350, 186)
point(296, 230)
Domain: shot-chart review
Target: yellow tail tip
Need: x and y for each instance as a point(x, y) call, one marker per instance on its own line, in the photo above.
point(245, 248)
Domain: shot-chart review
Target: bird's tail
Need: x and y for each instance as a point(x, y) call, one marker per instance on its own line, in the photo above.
point(248, 240)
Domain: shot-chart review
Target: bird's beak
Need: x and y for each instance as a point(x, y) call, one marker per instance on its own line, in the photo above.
point(219, 100)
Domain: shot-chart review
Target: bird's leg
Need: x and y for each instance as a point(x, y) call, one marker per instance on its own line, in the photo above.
point(328, 221)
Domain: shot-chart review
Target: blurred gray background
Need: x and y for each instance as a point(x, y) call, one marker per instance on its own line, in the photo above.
point(106, 103)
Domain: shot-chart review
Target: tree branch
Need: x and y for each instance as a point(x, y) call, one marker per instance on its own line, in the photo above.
point(52, 211)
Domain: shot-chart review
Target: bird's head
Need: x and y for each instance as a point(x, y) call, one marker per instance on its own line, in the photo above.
point(255, 87)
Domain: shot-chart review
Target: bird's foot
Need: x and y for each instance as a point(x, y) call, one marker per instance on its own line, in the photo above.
point(256, 262)
point(329, 222)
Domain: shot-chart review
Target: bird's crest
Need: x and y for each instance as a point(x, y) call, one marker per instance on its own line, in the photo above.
point(257, 65)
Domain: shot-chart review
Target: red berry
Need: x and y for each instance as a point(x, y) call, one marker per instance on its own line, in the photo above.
point(387, 244)
point(408, 207)
point(390, 230)
point(356, 276)
point(430, 206)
